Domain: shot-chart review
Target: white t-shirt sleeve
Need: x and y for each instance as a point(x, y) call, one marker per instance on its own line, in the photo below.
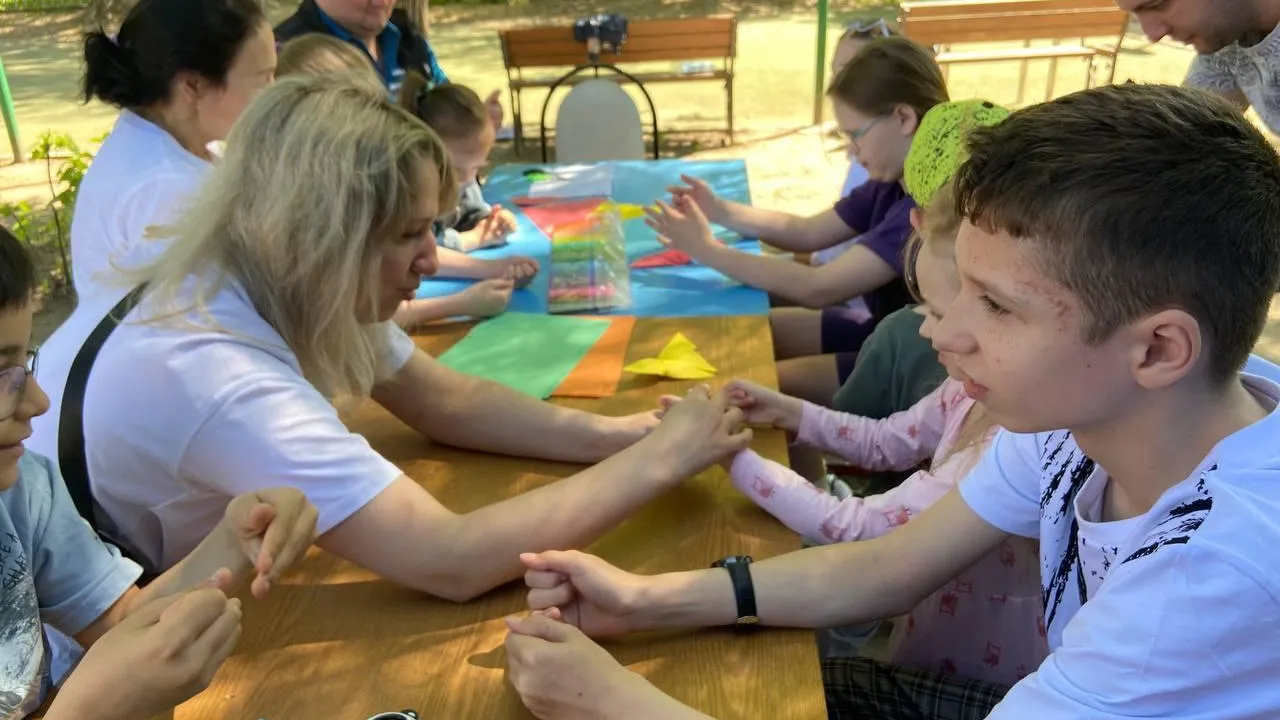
point(395, 352)
point(153, 207)
point(1172, 635)
point(1210, 72)
point(271, 429)
point(77, 577)
point(1004, 487)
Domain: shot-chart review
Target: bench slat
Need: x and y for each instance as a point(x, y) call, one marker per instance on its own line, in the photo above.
point(646, 78)
point(1035, 53)
point(947, 21)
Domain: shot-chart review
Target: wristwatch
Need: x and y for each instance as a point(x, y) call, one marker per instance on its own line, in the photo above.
point(743, 591)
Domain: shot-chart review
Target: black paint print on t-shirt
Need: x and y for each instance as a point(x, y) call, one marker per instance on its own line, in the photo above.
point(1074, 470)
point(1180, 524)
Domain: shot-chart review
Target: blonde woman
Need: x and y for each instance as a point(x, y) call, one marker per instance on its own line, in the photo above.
point(272, 302)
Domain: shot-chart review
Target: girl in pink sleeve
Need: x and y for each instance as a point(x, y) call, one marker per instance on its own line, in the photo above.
point(987, 624)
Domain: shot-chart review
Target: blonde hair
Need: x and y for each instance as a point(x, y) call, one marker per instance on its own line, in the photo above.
point(937, 236)
point(319, 54)
point(454, 111)
point(319, 176)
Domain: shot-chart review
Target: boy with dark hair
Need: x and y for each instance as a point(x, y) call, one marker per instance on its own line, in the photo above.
point(1120, 252)
point(149, 649)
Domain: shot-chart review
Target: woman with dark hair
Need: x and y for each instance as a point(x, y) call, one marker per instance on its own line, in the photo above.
point(181, 72)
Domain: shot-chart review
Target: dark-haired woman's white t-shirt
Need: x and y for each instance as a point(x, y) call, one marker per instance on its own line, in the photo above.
point(140, 178)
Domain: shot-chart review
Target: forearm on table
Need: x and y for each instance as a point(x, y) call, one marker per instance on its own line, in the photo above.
point(454, 264)
point(799, 504)
point(476, 414)
point(780, 276)
point(421, 311)
point(823, 586)
point(218, 550)
point(780, 229)
point(484, 546)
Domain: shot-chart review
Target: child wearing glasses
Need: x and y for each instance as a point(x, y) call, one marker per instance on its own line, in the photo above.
point(148, 649)
point(878, 98)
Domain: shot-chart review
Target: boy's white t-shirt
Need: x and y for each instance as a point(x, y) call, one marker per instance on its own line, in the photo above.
point(140, 178)
point(1171, 614)
point(179, 418)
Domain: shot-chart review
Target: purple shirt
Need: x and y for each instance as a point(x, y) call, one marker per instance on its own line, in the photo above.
point(880, 214)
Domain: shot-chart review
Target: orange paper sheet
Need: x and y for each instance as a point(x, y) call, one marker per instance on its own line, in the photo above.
point(599, 371)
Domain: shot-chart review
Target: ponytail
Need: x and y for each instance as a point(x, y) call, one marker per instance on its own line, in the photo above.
point(455, 112)
point(160, 39)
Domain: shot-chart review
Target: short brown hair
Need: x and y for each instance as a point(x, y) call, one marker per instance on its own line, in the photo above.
point(1140, 198)
point(318, 54)
point(455, 112)
point(888, 72)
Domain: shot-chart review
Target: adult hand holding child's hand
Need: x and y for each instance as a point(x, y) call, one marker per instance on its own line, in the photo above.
point(701, 430)
point(762, 406)
point(272, 527)
point(591, 594)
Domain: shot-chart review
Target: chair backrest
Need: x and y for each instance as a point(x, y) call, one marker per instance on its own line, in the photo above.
point(944, 22)
point(598, 121)
point(647, 40)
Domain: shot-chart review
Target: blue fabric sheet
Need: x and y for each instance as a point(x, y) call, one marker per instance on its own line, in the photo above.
point(656, 292)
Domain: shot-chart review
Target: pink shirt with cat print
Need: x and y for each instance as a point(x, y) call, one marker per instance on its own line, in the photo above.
point(988, 623)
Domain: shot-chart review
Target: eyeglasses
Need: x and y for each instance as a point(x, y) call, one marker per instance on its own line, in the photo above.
point(402, 715)
point(13, 384)
point(863, 30)
point(841, 140)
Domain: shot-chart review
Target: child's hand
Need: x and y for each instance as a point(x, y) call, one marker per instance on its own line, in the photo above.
point(496, 227)
point(763, 406)
point(518, 269)
point(702, 195)
point(487, 297)
point(699, 431)
point(156, 658)
point(273, 528)
point(681, 226)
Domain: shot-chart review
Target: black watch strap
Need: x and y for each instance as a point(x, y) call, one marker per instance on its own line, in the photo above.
point(744, 591)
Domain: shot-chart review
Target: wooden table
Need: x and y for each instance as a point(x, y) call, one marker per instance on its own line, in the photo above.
point(334, 642)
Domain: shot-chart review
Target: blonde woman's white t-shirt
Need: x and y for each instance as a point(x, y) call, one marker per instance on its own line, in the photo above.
point(141, 177)
point(180, 419)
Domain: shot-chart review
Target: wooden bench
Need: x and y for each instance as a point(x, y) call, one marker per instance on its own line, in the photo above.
point(945, 23)
point(705, 39)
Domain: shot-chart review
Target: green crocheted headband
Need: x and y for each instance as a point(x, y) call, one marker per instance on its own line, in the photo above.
point(938, 147)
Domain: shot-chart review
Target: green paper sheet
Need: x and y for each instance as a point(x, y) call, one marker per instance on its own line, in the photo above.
point(531, 353)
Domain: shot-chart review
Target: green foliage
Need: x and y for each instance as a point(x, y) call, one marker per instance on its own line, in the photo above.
point(41, 5)
point(46, 231)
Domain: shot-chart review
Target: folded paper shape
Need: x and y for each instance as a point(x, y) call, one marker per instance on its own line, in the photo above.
point(666, 258)
point(679, 360)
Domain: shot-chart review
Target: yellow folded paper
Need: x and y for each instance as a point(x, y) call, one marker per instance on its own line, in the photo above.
point(679, 360)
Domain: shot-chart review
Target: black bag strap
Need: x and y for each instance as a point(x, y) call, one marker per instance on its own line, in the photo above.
point(72, 460)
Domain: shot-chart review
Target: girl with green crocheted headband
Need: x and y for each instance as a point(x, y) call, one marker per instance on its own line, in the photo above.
point(878, 99)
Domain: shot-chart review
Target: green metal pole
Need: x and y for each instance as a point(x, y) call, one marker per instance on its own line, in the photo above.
point(10, 116)
point(820, 64)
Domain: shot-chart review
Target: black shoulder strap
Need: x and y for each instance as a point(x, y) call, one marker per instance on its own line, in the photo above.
point(72, 461)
